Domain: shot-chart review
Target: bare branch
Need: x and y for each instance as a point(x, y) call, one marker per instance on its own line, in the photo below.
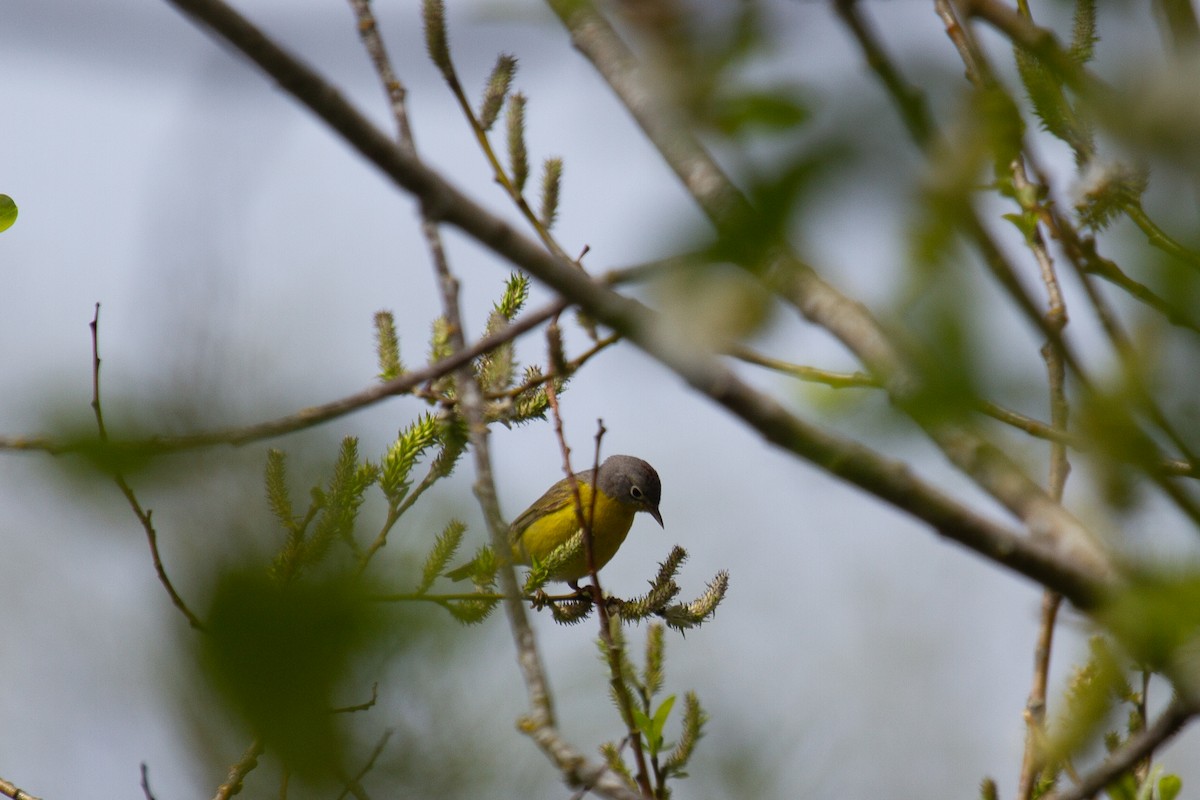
point(239, 771)
point(10, 790)
point(142, 515)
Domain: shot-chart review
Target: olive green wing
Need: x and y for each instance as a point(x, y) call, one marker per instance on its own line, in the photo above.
point(553, 500)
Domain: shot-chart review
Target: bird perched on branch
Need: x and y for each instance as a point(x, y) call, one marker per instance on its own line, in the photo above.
point(627, 485)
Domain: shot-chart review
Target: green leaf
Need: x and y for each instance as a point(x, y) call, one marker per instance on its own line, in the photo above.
point(1155, 617)
point(471, 612)
point(396, 470)
point(277, 653)
point(8, 212)
point(516, 292)
point(777, 110)
point(497, 89)
point(277, 491)
point(1026, 222)
point(1083, 32)
point(436, 41)
point(518, 156)
point(1169, 787)
point(340, 501)
point(571, 612)
point(496, 368)
point(652, 728)
point(387, 346)
point(439, 340)
point(1123, 788)
point(645, 727)
point(659, 723)
point(551, 186)
point(693, 728)
point(442, 553)
point(612, 757)
point(652, 675)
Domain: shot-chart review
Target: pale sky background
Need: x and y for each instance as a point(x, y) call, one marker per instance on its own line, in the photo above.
point(239, 251)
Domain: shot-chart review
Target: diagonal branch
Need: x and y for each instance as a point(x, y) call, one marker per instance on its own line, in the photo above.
point(11, 790)
point(143, 515)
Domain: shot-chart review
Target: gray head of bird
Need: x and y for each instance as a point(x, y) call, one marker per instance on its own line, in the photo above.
point(631, 481)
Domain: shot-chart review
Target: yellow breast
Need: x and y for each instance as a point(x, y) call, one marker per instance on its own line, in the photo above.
point(609, 528)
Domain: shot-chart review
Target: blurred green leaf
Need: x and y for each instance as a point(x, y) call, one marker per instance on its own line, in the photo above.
point(8, 212)
point(753, 233)
point(1091, 696)
point(277, 652)
point(776, 110)
point(1123, 788)
point(1169, 787)
point(387, 346)
point(1155, 616)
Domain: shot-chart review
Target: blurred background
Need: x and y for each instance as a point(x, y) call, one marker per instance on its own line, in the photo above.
point(239, 251)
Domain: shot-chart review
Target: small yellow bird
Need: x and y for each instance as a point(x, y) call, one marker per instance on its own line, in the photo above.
point(627, 485)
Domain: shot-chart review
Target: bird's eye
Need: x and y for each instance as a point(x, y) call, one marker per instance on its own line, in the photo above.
point(635, 492)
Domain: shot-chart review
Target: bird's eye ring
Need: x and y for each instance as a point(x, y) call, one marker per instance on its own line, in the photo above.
point(635, 492)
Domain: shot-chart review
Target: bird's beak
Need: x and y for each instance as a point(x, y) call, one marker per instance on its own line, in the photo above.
point(654, 512)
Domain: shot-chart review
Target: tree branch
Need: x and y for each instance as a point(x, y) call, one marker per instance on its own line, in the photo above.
point(10, 790)
point(143, 516)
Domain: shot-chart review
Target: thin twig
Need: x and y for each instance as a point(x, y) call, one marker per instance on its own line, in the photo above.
point(361, 706)
point(834, 380)
point(1060, 467)
point(239, 771)
point(1157, 237)
point(11, 790)
point(354, 783)
point(142, 515)
point(149, 795)
point(394, 514)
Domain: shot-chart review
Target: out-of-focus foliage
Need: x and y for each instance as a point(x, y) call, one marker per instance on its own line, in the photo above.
point(279, 651)
point(8, 212)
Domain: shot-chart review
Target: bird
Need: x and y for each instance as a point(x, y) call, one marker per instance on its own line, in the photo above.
point(628, 485)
